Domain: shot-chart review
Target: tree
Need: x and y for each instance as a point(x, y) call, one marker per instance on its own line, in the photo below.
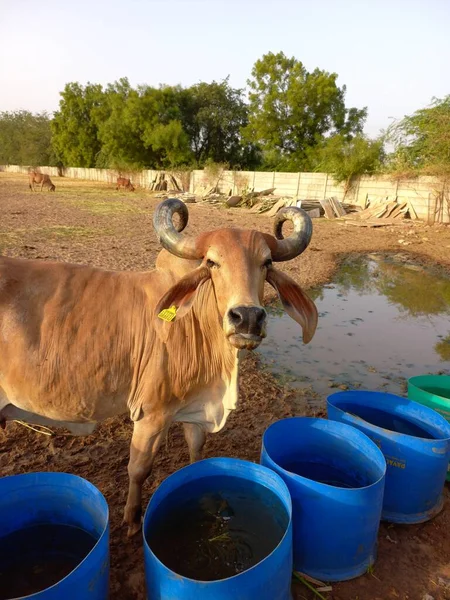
point(25, 138)
point(214, 115)
point(422, 141)
point(346, 159)
point(292, 110)
point(163, 133)
point(75, 131)
point(141, 128)
point(120, 145)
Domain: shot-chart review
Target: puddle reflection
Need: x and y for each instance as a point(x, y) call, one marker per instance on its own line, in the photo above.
point(380, 321)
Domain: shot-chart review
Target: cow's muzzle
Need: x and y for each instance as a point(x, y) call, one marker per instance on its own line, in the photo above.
point(246, 326)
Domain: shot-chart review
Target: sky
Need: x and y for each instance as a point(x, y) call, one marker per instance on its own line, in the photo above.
point(393, 56)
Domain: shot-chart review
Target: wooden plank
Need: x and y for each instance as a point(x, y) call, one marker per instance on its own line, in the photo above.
point(376, 223)
point(361, 223)
point(174, 183)
point(379, 214)
point(276, 207)
point(266, 192)
point(400, 210)
point(390, 208)
point(376, 202)
point(337, 207)
point(370, 212)
point(333, 207)
point(329, 212)
point(412, 211)
point(262, 193)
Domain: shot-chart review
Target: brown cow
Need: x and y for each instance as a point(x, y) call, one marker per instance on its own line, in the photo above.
point(80, 344)
point(41, 178)
point(126, 183)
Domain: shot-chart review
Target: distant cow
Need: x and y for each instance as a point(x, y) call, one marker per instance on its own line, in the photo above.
point(126, 183)
point(41, 178)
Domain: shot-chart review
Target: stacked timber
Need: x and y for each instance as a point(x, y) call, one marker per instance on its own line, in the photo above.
point(381, 214)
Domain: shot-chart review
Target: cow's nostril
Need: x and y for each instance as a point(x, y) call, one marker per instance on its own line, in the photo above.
point(260, 316)
point(236, 317)
point(247, 319)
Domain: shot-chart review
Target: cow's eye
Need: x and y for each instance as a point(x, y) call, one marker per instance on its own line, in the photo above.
point(267, 263)
point(210, 264)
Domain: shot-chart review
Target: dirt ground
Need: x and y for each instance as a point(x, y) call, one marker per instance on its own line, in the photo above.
point(91, 223)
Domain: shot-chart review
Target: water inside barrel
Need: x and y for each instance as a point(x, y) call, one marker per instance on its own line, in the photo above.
point(37, 557)
point(386, 420)
point(219, 533)
point(323, 472)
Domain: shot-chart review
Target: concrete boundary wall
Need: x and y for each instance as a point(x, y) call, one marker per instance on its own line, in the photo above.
point(424, 193)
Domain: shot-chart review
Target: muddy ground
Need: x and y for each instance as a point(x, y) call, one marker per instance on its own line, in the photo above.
point(92, 223)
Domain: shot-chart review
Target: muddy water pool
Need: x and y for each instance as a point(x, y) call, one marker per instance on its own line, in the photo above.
point(381, 320)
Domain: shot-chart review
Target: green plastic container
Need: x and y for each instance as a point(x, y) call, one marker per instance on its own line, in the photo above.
point(432, 391)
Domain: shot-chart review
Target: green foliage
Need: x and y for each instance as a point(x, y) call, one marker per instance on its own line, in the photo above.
point(163, 127)
point(422, 141)
point(294, 120)
point(142, 127)
point(25, 138)
point(443, 348)
point(213, 116)
point(405, 288)
point(74, 126)
point(171, 141)
point(292, 110)
point(160, 119)
point(346, 159)
point(120, 144)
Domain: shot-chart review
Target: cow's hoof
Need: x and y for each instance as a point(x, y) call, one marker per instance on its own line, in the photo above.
point(133, 519)
point(134, 529)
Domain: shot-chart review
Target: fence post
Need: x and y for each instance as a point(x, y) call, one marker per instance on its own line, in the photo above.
point(357, 190)
point(298, 186)
point(325, 186)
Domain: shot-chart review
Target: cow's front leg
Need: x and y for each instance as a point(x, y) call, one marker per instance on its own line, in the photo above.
point(195, 437)
point(147, 436)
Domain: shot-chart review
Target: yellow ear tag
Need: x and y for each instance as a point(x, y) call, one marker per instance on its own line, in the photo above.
point(168, 314)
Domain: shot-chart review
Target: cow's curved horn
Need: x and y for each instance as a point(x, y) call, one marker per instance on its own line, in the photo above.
point(170, 237)
point(298, 241)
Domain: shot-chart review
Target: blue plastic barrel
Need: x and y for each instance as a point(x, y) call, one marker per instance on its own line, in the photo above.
point(415, 441)
point(269, 579)
point(37, 502)
point(335, 475)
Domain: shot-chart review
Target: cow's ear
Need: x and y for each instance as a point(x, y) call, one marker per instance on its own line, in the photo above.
point(296, 303)
point(181, 295)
